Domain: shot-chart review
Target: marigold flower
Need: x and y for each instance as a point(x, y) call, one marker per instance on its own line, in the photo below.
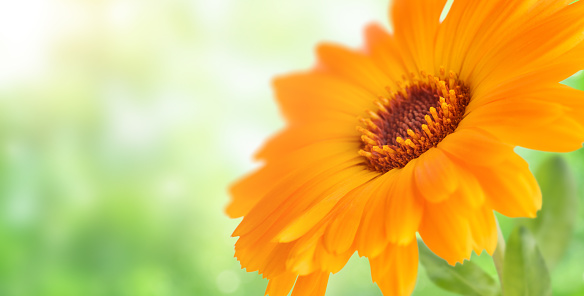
point(413, 134)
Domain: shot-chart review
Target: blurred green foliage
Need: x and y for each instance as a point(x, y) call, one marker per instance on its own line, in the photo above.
point(118, 145)
point(524, 268)
point(463, 279)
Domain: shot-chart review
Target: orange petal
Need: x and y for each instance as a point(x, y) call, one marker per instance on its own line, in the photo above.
point(313, 284)
point(347, 181)
point(458, 34)
point(301, 259)
point(510, 187)
point(435, 175)
point(371, 238)
point(446, 231)
point(540, 79)
point(259, 254)
point(416, 23)
point(562, 135)
point(341, 232)
point(484, 230)
point(528, 123)
point(281, 285)
point(469, 193)
point(309, 255)
point(392, 214)
point(395, 270)
point(299, 136)
point(512, 113)
point(286, 174)
point(386, 53)
point(404, 206)
point(539, 42)
point(566, 96)
point(474, 146)
point(353, 67)
point(331, 262)
point(314, 96)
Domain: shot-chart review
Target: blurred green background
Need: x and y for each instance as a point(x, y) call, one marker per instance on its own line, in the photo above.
point(123, 122)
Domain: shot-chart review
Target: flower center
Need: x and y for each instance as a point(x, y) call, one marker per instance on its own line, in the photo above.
point(412, 120)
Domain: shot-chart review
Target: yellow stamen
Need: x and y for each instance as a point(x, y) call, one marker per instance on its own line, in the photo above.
point(373, 114)
point(367, 132)
point(428, 120)
point(412, 134)
point(434, 113)
point(400, 140)
point(365, 153)
point(369, 123)
point(442, 96)
point(445, 109)
point(380, 106)
point(377, 149)
point(443, 88)
point(368, 140)
point(426, 130)
point(452, 95)
point(388, 150)
point(410, 143)
point(384, 100)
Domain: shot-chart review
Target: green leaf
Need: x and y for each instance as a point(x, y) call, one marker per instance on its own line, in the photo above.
point(463, 279)
point(524, 270)
point(554, 224)
point(576, 81)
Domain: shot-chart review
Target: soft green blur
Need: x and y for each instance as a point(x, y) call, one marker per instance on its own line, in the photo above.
point(122, 124)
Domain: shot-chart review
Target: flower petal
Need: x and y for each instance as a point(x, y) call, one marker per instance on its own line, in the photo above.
point(371, 238)
point(529, 123)
point(404, 206)
point(392, 214)
point(474, 146)
point(298, 136)
point(286, 173)
point(446, 231)
point(435, 175)
point(469, 193)
point(331, 262)
point(387, 54)
point(289, 201)
point(510, 187)
point(483, 227)
point(314, 96)
point(281, 285)
point(341, 232)
point(539, 41)
point(353, 67)
point(395, 270)
point(313, 284)
point(347, 181)
point(416, 23)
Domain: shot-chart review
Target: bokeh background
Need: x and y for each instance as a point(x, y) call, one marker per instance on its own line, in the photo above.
point(123, 122)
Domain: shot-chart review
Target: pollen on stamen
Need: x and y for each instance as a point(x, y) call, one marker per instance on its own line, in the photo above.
point(434, 113)
point(412, 134)
point(410, 143)
point(426, 130)
point(423, 110)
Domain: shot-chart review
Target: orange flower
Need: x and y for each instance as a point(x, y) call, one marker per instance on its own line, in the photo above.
point(415, 133)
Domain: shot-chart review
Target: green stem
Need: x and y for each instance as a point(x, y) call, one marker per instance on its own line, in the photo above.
point(498, 255)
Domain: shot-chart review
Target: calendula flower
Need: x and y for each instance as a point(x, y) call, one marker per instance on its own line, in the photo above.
point(413, 134)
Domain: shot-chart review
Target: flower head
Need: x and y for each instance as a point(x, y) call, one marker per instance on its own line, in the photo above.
point(413, 134)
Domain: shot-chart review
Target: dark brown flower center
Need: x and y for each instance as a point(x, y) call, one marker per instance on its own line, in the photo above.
point(412, 120)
